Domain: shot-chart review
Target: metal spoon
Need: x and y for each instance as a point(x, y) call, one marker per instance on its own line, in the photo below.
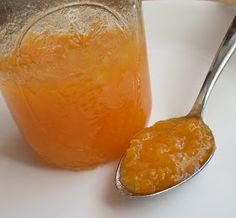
point(223, 55)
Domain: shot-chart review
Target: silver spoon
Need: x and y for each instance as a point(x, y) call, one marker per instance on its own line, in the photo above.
point(223, 55)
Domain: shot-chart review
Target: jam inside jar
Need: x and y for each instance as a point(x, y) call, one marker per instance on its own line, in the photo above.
point(77, 83)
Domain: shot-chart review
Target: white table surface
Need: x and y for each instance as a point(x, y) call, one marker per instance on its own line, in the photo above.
point(182, 38)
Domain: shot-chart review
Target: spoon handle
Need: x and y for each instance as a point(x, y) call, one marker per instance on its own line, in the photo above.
point(223, 55)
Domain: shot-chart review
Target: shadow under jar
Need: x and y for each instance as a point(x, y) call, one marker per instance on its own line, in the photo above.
point(75, 77)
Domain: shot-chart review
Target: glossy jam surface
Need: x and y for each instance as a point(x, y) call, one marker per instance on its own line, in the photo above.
point(77, 99)
point(165, 154)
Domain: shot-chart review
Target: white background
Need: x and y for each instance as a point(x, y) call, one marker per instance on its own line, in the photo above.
point(182, 39)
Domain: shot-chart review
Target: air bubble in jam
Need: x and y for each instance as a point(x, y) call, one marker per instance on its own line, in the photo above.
point(165, 154)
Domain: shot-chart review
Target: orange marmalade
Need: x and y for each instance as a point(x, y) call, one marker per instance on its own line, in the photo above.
point(165, 154)
point(78, 99)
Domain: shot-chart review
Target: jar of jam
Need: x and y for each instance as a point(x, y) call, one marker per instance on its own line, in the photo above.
point(75, 77)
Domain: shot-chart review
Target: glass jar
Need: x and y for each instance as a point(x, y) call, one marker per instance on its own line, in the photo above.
point(75, 76)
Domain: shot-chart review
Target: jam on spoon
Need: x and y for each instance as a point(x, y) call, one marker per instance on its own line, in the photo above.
point(166, 154)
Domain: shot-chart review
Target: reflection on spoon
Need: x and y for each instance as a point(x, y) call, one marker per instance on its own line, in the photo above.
point(171, 152)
